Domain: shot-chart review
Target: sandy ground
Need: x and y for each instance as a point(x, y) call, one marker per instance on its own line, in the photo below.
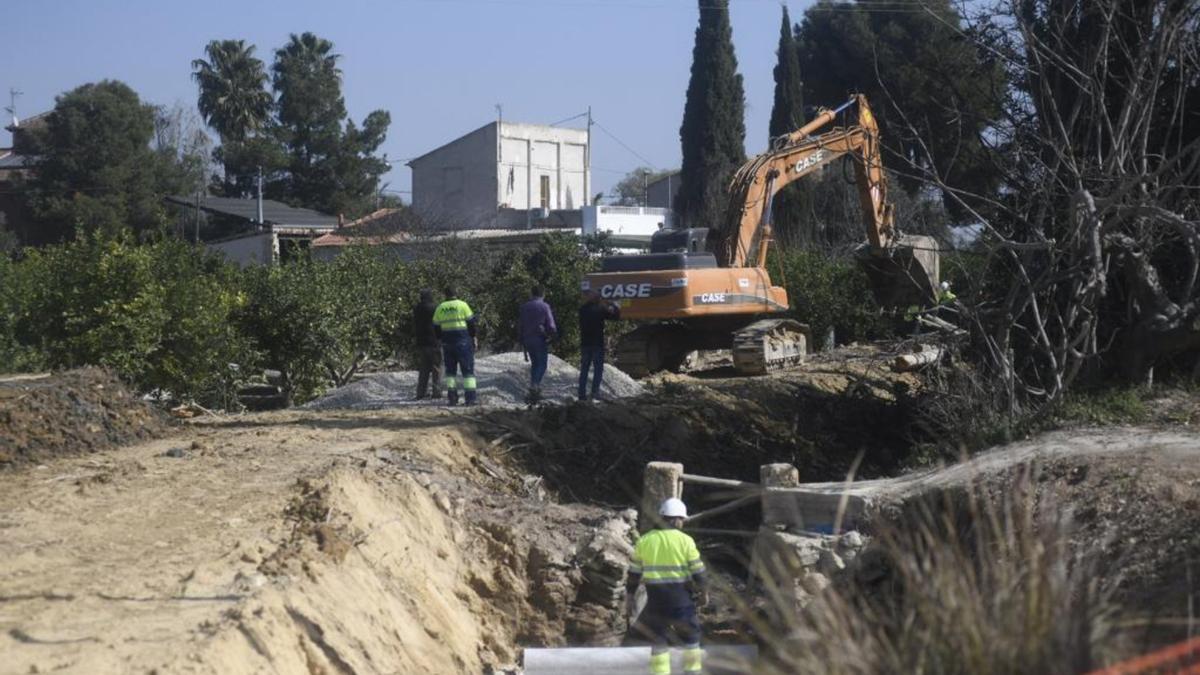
point(230, 546)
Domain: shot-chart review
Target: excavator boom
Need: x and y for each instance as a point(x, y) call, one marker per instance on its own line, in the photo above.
point(903, 270)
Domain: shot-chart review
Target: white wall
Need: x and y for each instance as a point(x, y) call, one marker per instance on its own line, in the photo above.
point(530, 151)
point(455, 185)
point(626, 220)
point(254, 249)
point(466, 182)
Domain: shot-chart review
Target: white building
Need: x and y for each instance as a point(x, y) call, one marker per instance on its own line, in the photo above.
point(505, 174)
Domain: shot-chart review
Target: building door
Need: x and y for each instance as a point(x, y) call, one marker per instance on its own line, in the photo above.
point(545, 185)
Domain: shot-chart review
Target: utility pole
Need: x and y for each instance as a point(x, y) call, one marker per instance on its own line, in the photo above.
point(260, 213)
point(587, 161)
point(197, 216)
point(13, 94)
point(501, 195)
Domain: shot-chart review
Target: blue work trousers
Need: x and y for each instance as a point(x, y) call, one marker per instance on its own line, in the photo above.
point(458, 351)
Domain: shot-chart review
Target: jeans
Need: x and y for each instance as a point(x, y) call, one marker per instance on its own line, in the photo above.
point(539, 354)
point(459, 353)
point(590, 357)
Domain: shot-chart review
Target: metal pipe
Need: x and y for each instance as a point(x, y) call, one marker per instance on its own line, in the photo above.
point(727, 533)
point(725, 508)
point(719, 482)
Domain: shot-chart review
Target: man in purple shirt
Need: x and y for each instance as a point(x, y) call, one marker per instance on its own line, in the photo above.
point(536, 327)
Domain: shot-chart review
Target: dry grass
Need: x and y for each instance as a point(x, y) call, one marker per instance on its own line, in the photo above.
point(973, 584)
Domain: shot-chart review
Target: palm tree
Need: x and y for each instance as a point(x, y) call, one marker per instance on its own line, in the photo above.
point(233, 96)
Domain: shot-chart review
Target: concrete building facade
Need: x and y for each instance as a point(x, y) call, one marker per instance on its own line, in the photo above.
point(503, 174)
point(661, 193)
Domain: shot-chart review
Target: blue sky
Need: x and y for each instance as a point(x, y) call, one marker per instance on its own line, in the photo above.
point(438, 66)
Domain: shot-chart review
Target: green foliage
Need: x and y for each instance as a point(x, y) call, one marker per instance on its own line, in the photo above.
point(310, 152)
point(282, 317)
point(15, 357)
point(330, 168)
point(98, 173)
point(157, 314)
point(233, 89)
point(919, 69)
point(787, 115)
point(234, 101)
point(557, 264)
point(1106, 406)
point(828, 292)
point(631, 189)
point(359, 304)
point(171, 319)
point(713, 132)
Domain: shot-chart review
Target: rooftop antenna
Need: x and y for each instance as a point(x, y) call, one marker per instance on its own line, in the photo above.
point(13, 94)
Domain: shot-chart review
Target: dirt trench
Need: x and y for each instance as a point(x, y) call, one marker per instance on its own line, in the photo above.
point(841, 411)
point(300, 542)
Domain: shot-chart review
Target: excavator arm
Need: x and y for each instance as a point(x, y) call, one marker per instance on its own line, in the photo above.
point(746, 239)
point(795, 156)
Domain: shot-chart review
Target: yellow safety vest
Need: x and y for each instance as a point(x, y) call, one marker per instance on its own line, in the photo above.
point(452, 315)
point(666, 557)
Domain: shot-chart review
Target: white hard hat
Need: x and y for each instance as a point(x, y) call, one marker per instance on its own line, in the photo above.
point(673, 508)
point(945, 285)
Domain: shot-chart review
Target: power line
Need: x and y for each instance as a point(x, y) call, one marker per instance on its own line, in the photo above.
point(573, 117)
point(866, 6)
point(635, 153)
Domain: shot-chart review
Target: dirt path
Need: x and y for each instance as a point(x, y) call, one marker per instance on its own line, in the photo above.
point(1161, 449)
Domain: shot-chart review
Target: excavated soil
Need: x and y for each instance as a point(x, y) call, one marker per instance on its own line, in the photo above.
point(71, 413)
point(820, 418)
point(444, 540)
point(300, 542)
point(1138, 515)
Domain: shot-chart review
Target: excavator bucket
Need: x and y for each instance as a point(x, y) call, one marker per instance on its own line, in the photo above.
point(904, 274)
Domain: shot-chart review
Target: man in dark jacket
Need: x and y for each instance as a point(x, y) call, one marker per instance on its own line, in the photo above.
point(429, 349)
point(592, 316)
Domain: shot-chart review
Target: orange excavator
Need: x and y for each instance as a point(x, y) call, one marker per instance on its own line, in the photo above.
point(709, 289)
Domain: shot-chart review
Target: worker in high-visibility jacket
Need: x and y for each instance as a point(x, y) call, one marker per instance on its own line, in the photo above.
point(454, 323)
point(668, 562)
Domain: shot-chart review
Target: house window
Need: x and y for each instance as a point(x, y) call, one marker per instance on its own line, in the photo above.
point(545, 192)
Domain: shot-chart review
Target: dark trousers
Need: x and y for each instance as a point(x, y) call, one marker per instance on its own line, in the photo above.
point(459, 352)
point(668, 626)
point(590, 358)
point(429, 371)
point(539, 355)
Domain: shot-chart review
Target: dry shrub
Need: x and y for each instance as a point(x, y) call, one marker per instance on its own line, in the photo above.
point(964, 584)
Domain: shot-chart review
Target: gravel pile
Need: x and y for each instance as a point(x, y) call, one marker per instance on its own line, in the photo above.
point(503, 381)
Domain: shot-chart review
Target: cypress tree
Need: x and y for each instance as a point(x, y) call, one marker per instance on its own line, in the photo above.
point(787, 115)
point(713, 132)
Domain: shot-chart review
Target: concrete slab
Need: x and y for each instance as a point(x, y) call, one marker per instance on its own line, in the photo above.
point(718, 660)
